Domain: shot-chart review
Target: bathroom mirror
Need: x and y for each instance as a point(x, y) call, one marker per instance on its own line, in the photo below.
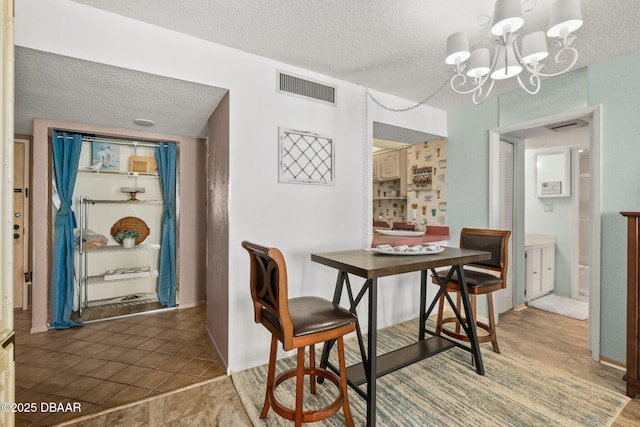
point(553, 173)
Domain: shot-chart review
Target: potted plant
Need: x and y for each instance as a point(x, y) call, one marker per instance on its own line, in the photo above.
point(127, 238)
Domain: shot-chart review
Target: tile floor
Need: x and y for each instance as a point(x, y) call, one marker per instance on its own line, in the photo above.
point(110, 363)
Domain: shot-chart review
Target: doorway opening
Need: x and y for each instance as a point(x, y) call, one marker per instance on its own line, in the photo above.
point(570, 220)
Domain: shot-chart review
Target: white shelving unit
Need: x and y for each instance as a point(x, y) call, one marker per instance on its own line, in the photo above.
point(87, 280)
point(117, 177)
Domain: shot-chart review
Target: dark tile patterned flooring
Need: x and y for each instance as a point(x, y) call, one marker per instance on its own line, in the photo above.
point(110, 363)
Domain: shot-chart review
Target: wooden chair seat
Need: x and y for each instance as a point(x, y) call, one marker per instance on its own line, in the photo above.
point(313, 315)
point(478, 282)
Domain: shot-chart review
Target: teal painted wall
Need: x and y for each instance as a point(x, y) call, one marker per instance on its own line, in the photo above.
point(468, 174)
point(614, 85)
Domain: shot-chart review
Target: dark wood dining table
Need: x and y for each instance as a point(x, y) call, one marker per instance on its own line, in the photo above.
point(371, 265)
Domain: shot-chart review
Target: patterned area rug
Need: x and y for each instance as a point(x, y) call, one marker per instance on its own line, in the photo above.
point(445, 390)
point(560, 305)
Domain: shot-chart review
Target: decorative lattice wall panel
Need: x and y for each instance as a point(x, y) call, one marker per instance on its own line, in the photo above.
point(306, 158)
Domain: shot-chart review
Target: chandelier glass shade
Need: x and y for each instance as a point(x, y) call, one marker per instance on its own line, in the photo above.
point(476, 71)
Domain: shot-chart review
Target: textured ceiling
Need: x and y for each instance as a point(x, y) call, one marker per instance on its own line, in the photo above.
point(393, 46)
point(58, 87)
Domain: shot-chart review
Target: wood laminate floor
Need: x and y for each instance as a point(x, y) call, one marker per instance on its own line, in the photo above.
point(562, 342)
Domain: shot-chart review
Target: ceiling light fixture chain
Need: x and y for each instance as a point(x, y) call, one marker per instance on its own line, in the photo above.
point(412, 107)
point(509, 59)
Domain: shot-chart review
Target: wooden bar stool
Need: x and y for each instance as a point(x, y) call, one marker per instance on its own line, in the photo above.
point(297, 323)
point(478, 282)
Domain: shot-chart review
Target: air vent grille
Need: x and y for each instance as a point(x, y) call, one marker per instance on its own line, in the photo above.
point(569, 124)
point(294, 85)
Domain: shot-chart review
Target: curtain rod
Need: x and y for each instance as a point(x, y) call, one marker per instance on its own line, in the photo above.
point(115, 141)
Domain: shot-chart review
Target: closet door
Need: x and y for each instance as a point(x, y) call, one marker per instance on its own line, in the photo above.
point(502, 191)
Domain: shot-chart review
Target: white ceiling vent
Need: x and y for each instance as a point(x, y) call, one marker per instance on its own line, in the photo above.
point(294, 85)
point(569, 124)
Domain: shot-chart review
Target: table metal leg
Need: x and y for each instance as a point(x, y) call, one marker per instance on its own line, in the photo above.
point(372, 344)
point(341, 283)
point(423, 303)
point(472, 333)
point(337, 295)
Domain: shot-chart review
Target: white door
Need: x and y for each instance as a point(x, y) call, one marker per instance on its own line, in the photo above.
point(502, 202)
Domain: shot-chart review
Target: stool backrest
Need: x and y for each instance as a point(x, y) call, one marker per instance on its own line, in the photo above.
point(269, 289)
point(494, 241)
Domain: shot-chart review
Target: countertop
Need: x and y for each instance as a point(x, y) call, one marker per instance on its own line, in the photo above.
point(532, 240)
point(435, 233)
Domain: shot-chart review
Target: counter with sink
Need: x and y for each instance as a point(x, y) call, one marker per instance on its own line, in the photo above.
point(434, 233)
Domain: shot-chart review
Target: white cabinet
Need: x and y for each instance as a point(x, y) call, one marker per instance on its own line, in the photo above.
point(539, 268)
point(547, 269)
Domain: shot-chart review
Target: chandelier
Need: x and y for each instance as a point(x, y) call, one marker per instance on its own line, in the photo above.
point(510, 60)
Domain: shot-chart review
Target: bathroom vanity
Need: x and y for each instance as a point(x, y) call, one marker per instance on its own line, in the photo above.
point(540, 259)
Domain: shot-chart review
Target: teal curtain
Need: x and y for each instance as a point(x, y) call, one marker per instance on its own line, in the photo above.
point(66, 156)
point(166, 157)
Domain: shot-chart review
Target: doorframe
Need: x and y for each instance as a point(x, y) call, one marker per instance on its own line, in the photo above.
point(26, 247)
point(595, 141)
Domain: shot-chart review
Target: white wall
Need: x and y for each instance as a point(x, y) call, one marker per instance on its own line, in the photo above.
point(300, 219)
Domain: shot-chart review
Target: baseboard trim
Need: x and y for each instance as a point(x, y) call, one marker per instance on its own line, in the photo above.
point(520, 307)
point(613, 363)
point(221, 359)
point(191, 304)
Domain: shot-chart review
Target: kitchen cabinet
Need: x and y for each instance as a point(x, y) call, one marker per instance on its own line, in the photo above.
point(390, 185)
point(540, 259)
point(376, 167)
point(391, 168)
point(390, 163)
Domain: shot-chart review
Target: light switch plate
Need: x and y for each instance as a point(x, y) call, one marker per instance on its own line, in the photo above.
point(548, 207)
